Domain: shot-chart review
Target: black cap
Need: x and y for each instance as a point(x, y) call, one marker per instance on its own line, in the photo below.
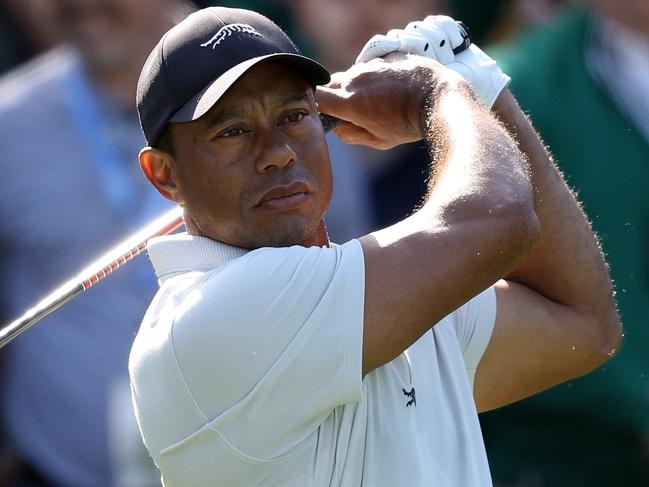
point(199, 59)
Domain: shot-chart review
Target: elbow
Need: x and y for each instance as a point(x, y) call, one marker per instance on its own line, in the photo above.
point(526, 228)
point(520, 227)
point(606, 340)
point(611, 336)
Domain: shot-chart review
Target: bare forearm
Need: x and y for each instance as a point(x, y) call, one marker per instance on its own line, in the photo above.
point(475, 160)
point(476, 226)
point(567, 265)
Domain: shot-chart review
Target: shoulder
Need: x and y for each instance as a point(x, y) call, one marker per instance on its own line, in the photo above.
point(286, 264)
point(266, 277)
point(267, 293)
point(263, 284)
point(253, 322)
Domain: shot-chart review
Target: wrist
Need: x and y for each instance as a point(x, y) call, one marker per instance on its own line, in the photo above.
point(440, 88)
point(505, 103)
point(438, 82)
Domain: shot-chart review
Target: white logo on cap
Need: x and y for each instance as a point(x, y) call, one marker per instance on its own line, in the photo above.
point(227, 31)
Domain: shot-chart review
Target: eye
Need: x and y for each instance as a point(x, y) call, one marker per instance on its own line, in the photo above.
point(294, 117)
point(233, 132)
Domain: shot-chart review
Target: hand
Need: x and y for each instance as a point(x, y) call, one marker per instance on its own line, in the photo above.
point(441, 38)
point(384, 101)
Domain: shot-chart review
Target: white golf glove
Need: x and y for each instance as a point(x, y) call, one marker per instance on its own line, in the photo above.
point(443, 39)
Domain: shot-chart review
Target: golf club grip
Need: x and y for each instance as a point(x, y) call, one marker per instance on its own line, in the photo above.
point(329, 122)
point(91, 275)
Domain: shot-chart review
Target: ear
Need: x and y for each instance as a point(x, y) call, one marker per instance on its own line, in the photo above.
point(159, 167)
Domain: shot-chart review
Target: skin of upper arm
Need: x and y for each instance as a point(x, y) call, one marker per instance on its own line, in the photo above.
point(417, 272)
point(536, 343)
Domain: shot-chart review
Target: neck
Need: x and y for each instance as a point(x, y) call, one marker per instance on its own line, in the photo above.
point(320, 239)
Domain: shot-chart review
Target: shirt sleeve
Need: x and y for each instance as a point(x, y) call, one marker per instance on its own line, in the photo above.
point(474, 323)
point(271, 343)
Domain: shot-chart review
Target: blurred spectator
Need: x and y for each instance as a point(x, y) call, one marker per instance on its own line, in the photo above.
point(519, 16)
point(529, 13)
point(27, 27)
point(481, 15)
point(277, 10)
point(340, 28)
point(69, 141)
point(584, 79)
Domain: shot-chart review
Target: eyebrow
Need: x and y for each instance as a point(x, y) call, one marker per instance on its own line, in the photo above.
point(222, 116)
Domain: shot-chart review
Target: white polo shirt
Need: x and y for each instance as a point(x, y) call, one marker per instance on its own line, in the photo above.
point(246, 371)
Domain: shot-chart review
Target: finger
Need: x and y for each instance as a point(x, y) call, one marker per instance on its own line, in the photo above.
point(353, 134)
point(378, 46)
point(394, 33)
point(394, 57)
point(410, 42)
point(439, 47)
point(336, 80)
point(417, 44)
point(334, 101)
point(449, 26)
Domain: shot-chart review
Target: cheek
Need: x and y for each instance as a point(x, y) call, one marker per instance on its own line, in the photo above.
point(321, 168)
point(211, 192)
point(222, 196)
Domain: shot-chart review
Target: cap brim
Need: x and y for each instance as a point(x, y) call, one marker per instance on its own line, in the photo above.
point(201, 103)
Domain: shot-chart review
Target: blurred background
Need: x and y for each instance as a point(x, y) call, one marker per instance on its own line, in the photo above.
point(69, 139)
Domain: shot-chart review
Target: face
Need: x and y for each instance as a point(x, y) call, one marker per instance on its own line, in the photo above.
point(340, 28)
point(255, 170)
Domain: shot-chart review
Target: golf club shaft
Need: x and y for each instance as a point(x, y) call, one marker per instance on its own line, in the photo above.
point(91, 275)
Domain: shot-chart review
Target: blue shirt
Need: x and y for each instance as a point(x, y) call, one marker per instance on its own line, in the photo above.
point(56, 216)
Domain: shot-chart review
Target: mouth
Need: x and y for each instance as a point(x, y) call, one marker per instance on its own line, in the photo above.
point(288, 197)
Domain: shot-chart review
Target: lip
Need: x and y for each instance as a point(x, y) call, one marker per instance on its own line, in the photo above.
point(286, 197)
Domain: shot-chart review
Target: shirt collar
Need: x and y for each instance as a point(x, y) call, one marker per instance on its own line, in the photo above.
point(173, 254)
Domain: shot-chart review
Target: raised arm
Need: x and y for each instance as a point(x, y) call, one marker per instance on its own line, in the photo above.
point(478, 221)
point(556, 315)
point(556, 311)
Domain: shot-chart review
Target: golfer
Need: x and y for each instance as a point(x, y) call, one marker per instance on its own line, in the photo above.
point(271, 356)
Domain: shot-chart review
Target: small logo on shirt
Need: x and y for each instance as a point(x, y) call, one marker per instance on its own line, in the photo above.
point(412, 396)
point(229, 30)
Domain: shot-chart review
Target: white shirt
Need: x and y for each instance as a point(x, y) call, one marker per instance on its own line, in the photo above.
point(247, 371)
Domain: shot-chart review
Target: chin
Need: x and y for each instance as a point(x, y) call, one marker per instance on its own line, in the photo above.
point(285, 235)
point(282, 239)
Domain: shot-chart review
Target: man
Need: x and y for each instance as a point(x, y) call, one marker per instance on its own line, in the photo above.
point(584, 78)
point(269, 356)
point(68, 141)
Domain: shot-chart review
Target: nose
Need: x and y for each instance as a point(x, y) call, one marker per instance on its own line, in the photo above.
point(275, 152)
